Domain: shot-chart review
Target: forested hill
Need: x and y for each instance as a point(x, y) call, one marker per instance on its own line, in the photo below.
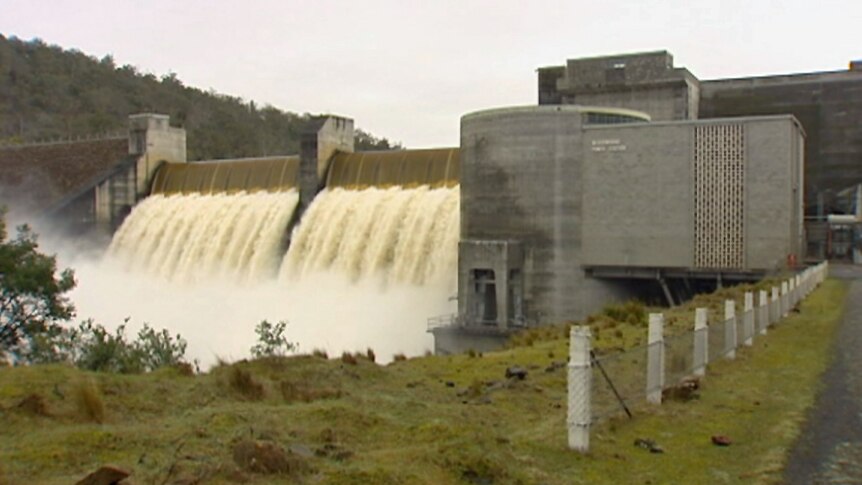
point(47, 92)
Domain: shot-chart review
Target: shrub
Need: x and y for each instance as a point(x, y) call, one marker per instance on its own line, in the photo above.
point(271, 341)
point(92, 347)
point(370, 355)
point(158, 349)
point(399, 357)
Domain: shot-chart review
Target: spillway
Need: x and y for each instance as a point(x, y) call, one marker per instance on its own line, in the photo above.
point(196, 237)
point(401, 235)
point(219, 246)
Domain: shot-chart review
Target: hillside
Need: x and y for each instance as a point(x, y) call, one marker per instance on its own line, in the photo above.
point(435, 419)
point(47, 92)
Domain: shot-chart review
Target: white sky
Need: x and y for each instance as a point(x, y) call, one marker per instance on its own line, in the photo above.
point(408, 70)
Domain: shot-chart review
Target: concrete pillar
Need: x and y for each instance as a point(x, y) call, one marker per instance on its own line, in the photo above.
point(655, 358)
point(325, 136)
point(152, 142)
point(791, 283)
point(580, 382)
point(748, 320)
point(701, 341)
point(763, 313)
point(501, 282)
point(730, 329)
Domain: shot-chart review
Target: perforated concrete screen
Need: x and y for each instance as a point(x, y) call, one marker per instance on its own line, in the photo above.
point(719, 196)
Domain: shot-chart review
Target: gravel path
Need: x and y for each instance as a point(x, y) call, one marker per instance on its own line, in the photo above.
point(830, 448)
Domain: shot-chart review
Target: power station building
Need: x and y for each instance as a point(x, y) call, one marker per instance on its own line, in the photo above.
point(565, 208)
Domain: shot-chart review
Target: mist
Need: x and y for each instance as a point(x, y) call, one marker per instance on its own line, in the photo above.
point(217, 319)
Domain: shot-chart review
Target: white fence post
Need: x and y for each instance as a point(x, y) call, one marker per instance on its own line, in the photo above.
point(580, 389)
point(701, 341)
point(655, 358)
point(730, 329)
point(774, 310)
point(784, 300)
point(763, 313)
point(748, 319)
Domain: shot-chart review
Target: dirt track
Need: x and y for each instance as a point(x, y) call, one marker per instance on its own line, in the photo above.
point(830, 448)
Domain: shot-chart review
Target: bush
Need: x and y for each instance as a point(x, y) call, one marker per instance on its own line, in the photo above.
point(91, 346)
point(271, 341)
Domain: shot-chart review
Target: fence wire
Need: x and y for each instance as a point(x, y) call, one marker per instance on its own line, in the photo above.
point(716, 340)
point(678, 357)
point(627, 372)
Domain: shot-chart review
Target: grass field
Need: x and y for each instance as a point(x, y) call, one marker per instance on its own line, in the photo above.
point(436, 419)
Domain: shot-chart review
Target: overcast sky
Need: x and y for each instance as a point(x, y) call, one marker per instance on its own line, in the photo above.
point(408, 70)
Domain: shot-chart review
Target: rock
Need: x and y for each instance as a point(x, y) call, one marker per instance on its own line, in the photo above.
point(648, 444)
point(686, 390)
point(301, 450)
point(450, 384)
point(721, 440)
point(107, 475)
point(334, 452)
point(266, 457)
point(516, 372)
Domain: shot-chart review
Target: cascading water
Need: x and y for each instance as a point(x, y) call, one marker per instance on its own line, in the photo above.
point(212, 266)
point(405, 236)
point(189, 238)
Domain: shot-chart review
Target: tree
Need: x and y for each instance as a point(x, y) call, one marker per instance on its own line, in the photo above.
point(32, 293)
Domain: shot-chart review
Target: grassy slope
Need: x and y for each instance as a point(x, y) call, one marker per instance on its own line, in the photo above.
point(403, 424)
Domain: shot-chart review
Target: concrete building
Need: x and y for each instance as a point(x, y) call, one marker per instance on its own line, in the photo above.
point(828, 105)
point(562, 212)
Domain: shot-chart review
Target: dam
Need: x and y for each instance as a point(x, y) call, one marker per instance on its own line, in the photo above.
point(543, 214)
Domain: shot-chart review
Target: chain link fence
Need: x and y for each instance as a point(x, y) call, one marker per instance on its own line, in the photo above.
point(621, 382)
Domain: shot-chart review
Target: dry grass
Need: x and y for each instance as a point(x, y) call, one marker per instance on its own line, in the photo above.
point(293, 391)
point(34, 405)
point(320, 354)
point(243, 383)
point(88, 400)
point(348, 358)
